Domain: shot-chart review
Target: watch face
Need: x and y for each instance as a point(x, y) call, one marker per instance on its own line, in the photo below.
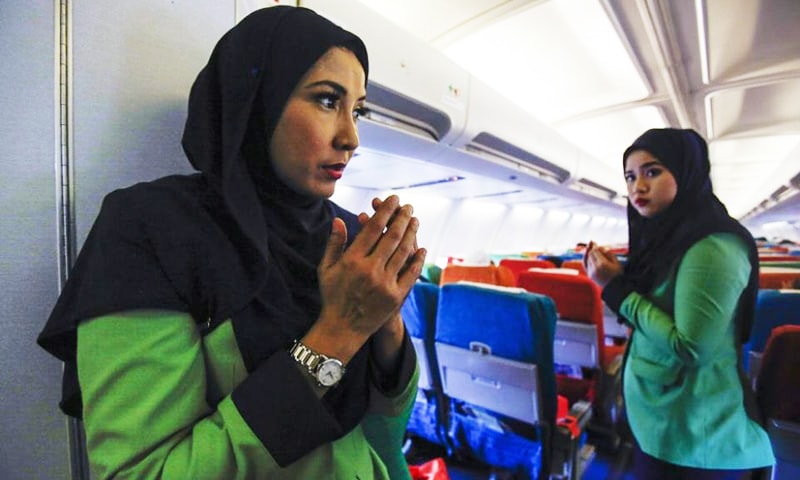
point(330, 372)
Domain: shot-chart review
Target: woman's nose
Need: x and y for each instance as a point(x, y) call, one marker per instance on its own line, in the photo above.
point(639, 185)
point(347, 134)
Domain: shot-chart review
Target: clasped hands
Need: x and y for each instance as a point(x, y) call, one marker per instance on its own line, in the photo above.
point(363, 287)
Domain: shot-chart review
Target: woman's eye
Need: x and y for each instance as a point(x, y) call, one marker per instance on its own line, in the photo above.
point(629, 178)
point(653, 172)
point(328, 100)
point(360, 112)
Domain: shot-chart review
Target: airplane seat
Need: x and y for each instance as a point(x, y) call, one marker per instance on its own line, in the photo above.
point(577, 299)
point(517, 265)
point(488, 274)
point(495, 351)
point(778, 396)
point(427, 420)
point(581, 347)
point(777, 277)
point(773, 308)
point(575, 265)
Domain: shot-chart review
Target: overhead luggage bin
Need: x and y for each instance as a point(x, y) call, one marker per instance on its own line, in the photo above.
point(597, 178)
point(412, 87)
point(497, 127)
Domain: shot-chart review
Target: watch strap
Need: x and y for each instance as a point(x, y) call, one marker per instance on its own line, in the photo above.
point(306, 357)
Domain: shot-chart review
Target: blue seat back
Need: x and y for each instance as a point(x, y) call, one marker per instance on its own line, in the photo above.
point(495, 353)
point(508, 323)
point(773, 309)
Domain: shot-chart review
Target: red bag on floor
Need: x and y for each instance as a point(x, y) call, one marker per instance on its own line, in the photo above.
point(431, 470)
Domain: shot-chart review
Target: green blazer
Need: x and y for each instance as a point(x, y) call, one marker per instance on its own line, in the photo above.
point(682, 391)
point(157, 404)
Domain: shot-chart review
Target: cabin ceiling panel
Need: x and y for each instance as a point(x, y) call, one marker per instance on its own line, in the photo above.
point(551, 83)
point(749, 111)
point(752, 40)
point(761, 151)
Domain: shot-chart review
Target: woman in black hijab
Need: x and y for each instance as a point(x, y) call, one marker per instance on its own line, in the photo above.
point(236, 323)
point(688, 293)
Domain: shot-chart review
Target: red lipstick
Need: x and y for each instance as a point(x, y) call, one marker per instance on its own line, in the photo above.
point(335, 171)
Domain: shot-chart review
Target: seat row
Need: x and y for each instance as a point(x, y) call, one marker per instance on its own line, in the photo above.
point(487, 380)
point(772, 364)
point(588, 336)
point(491, 387)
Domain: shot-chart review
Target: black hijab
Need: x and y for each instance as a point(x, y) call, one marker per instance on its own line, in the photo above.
point(251, 73)
point(232, 241)
point(657, 244)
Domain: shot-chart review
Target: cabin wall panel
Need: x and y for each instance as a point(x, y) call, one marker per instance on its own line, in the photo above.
point(608, 232)
point(533, 229)
point(468, 230)
point(131, 84)
point(433, 213)
point(567, 230)
point(32, 431)
point(522, 230)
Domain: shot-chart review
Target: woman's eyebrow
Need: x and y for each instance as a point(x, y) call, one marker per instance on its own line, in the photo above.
point(650, 164)
point(645, 165)
point(338, 88)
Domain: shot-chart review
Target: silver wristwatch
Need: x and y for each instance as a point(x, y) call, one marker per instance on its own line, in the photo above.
point(325, 370)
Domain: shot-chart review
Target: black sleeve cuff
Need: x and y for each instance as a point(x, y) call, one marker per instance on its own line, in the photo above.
point(616, 291)
point(303, 422)
point(395, 383)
